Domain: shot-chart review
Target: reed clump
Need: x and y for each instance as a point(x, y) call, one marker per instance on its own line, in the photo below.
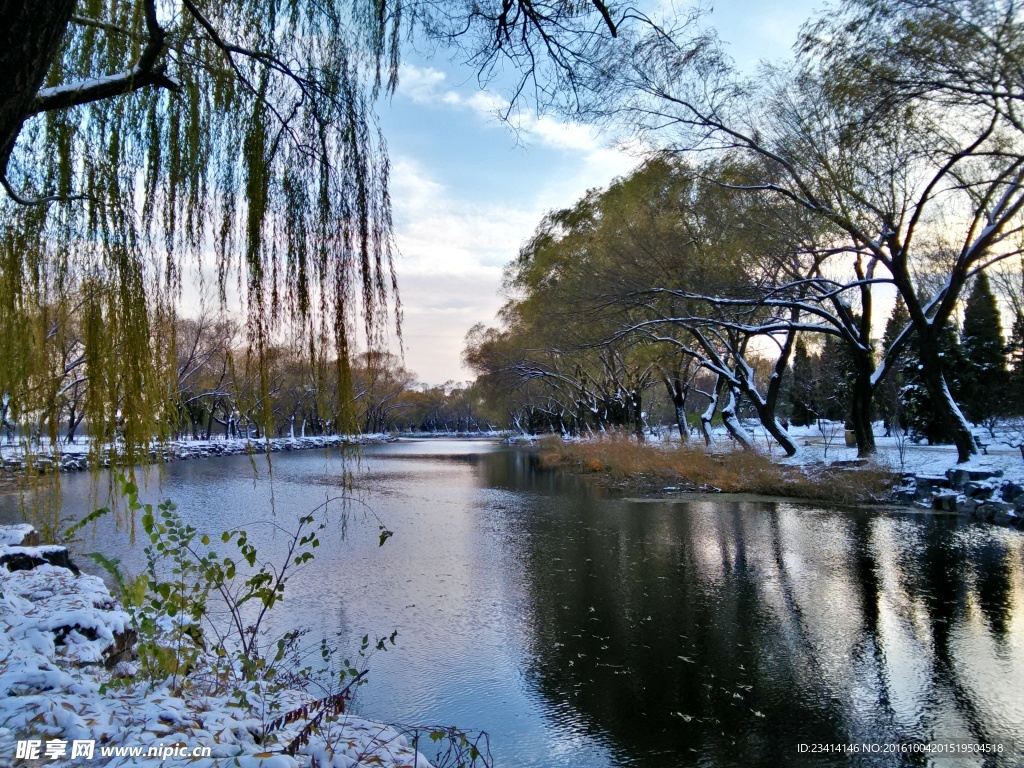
point(623, 458)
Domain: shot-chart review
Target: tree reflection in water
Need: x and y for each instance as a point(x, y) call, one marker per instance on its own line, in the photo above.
point(729, 632)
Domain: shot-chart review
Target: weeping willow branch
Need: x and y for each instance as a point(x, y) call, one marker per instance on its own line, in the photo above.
point(239, 136)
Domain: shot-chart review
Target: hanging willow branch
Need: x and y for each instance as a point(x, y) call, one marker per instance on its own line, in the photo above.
point(235, 139)
point(141, 139)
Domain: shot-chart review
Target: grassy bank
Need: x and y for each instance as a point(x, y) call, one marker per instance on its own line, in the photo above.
point(649, 467)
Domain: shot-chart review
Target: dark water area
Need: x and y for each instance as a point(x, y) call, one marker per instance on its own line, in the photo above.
point(586, 631)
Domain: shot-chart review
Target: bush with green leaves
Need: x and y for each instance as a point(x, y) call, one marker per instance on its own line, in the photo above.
point(178, 632)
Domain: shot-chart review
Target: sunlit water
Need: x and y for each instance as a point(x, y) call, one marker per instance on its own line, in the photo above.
point(583, 631)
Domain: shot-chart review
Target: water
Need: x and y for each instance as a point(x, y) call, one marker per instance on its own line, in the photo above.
point(584, 631)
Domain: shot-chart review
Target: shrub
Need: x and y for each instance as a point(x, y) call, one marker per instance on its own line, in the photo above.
point(734, 472)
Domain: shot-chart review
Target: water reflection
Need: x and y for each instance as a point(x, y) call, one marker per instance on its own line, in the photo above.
point(585, 631)
point(726, 633)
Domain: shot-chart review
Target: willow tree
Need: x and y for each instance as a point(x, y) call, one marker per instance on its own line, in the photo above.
point(897, 128)
point(237, 138)
point(138, 137)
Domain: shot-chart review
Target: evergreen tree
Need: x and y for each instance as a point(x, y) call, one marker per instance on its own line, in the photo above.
point(922, 416)
point(801, 392)
point(834, 385)
point(983, 382)
point(890, 392)
point(1016, 358)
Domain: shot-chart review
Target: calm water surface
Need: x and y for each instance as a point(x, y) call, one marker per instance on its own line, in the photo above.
point(582, 631)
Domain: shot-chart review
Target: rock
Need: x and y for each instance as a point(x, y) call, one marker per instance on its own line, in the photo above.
point(28, 558)
point(1004, 518)
point(998, 512)
point(959, 476)
point(944, 502)
point(21, 535)
point(966, 506)
point(978, 490)
point(928, 486)
point(120, 649)
point(31, 539)
point(1011, 491)
point(999, 506)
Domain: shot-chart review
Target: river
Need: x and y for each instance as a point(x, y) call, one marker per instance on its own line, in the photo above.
point(582, 630)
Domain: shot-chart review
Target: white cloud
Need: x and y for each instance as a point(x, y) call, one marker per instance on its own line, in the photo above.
point(419, 83)
point(429, 86)
point(452, 253)
point(440, 233)
point(453, 242)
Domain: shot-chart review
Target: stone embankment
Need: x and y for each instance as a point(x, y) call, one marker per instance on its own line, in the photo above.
point(980, 494)
point(182, 450)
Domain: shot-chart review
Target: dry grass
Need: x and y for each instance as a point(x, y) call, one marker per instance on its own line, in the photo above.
point(622, 458)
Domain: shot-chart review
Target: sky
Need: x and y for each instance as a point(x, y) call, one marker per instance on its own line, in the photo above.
point(468, 190)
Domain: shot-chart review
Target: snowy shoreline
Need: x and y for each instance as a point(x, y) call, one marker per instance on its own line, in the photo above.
point(77, 457)
point(989, 488)
point(63, 641)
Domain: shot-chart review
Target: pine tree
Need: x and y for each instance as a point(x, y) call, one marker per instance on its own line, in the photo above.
point(922, 416)
point(834, 386)
point(801, 392)
point(888, 397)
point(984, 380)
point(1016, 359)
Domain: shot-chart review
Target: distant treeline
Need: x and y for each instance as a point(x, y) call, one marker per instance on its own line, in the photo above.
point(217, 390)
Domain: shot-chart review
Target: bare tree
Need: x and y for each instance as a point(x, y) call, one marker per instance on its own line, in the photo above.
point(890, 188)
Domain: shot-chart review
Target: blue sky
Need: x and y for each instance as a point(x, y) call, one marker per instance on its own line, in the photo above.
point(468, 190)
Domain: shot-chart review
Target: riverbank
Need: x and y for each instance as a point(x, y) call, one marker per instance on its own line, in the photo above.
point(67, 690)
point(990, 488)
point(660, 469)
point(15, 461)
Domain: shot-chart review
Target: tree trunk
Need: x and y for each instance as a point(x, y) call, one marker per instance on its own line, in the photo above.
point(942, 398)
point(766, 408)
point(31, 37)
point(732, 422)
point(678, 397)
point(681, 424)
point(776, 430)
point(74, 419)
point(709, 413)
point(860, 413)
point(636, 403)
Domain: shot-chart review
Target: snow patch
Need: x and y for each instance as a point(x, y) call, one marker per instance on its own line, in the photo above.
point(54, 629)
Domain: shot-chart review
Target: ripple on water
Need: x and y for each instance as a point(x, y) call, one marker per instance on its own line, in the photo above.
point(585, 632)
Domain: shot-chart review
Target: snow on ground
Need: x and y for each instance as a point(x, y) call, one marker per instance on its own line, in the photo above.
point(827, 445)
point(76, 456)
point(918, 458)
point(989, 487)
point(57, 698)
